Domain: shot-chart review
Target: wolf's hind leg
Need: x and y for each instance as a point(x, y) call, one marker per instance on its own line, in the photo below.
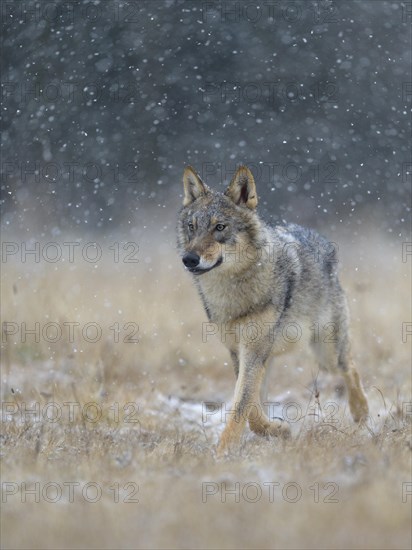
point(358, 402)
point(335, 360)
point(332, 351)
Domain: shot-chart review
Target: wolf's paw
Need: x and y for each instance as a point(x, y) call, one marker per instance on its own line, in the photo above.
point(227, 448)
point(273, 428)
point(229, 442)
point(222, 450)
point(279, 428)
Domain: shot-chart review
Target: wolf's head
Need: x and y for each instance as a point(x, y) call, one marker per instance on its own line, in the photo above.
point(214, 228)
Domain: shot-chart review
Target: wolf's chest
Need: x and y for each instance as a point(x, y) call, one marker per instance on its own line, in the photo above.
point(226, 299)
point(223, 302)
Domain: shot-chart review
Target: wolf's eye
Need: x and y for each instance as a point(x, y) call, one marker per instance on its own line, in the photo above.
point(191, 227)
point(220, 227)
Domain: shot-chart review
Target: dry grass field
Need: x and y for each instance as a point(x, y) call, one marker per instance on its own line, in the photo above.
point(119, 449)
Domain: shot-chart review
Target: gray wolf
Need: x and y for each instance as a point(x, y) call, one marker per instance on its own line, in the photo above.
point(251, 274)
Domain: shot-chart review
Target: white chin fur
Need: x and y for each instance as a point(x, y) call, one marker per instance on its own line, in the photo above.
point(205, 264)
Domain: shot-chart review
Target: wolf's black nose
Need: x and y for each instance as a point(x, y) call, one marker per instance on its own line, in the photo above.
point(191, 260)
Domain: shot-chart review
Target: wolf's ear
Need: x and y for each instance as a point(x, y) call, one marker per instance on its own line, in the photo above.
point(242, 188)
point(193, 186)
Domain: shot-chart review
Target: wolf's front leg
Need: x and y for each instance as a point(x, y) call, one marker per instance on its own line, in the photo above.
point(246, 393)
point(247, 406)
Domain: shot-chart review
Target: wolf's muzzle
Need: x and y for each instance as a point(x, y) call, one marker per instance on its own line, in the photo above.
point(192, 261)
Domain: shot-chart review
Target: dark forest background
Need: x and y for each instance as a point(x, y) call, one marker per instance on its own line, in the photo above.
point(104, 102)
